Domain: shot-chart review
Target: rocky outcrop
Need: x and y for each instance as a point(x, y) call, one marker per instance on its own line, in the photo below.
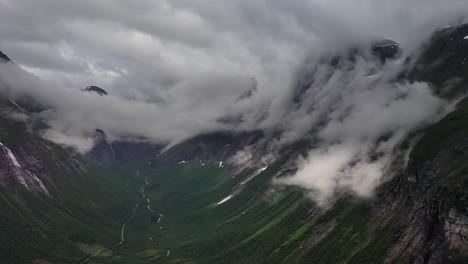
point(430, 197)
point(4, 57)
point(456, 230)
point(214, 147)
point(444, 61)
point(120, 153)
point(386, 49)
point(96, 89)
point(10, 168)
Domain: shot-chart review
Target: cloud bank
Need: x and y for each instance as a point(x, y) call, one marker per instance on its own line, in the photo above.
point(357, 118)
point(74, 115)
point(178, 68)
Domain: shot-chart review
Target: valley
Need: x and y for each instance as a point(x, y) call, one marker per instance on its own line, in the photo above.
point(228, 196)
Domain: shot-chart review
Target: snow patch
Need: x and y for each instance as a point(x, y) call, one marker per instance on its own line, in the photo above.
point(224, 200)
point(262, 169)
point(17, 167)
point(21, 179)
point(39, 182)
point(113, 152)
point(19, 107)
point(254, 175)
point(24, 176)
point(466, 38)
point(10, 156)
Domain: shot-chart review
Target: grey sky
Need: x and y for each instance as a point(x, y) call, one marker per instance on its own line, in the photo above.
point(142, 48)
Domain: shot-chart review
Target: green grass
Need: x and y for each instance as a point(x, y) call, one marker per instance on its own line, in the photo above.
point(89, 207)
point(444, 134)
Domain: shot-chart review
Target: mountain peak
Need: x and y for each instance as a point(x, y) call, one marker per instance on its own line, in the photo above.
point(4, 57)
point(386, 49)
point(96, 89)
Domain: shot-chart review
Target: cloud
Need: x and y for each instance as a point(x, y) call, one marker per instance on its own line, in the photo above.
point(177, 68)
point(140, 50)
point(358, 117)
point(185, 112)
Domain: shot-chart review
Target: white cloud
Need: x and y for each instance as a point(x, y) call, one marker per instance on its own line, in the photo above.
point(358, 118)
point(175, 68)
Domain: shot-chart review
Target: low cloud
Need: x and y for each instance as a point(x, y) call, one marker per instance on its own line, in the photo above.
point(178, 68)
point(358, 118)
point(74, 114)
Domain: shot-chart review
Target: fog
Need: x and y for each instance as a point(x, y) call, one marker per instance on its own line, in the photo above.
point(175, 69)
point(358, 118)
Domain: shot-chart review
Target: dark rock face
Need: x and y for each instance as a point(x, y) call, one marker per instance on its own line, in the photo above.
point(430, 196)
point(443, 61)
point(4, 57)
point(126, 154)
point(23, 169)
point(386, 49)
point(379, 51)
point(96, 89)
point(213, 147)
point(120, 153)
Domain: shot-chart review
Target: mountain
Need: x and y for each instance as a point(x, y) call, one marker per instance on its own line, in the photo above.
point(4, 58)
point(443, 61)
point(200, 201)
point(95, 89)
point(386, 49)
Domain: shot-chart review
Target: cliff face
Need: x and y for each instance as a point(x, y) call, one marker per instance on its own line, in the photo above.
point(12, 169)
point(4, 57)
point(443, 61)
point(430, 197)
point(433, 193)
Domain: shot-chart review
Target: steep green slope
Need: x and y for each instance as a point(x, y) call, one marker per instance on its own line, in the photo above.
point(262, 224)
point(84, 206)
point(277, 225)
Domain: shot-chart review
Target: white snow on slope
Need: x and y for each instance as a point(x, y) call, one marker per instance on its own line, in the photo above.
point(224, 200)
point(262, 169)
point(19, 107)
point(10, 155)
point(254, 175)
point(39, 182)
point(20, 173)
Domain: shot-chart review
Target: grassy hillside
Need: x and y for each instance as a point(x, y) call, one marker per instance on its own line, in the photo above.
point(82, 221)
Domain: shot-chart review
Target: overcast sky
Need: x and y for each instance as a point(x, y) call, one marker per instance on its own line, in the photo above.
point(139, 49)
